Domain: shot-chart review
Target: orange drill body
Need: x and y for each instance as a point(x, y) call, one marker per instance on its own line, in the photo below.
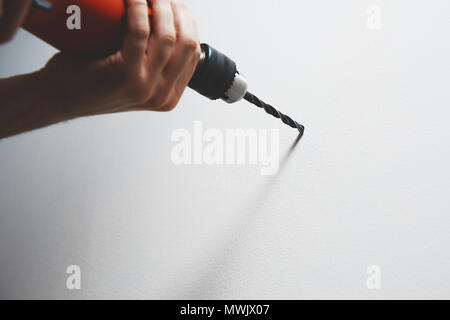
point(102, 26)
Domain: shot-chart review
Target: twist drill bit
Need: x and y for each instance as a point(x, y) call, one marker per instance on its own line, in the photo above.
point(217, 77)
point(274, 112)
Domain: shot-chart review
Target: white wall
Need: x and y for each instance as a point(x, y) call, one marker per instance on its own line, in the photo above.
point(367, 185)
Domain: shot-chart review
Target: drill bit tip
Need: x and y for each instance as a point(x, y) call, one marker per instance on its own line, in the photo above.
point(274, 112)
point(301, 129)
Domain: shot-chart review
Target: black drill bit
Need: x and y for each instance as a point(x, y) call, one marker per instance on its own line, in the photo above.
point(217, 77)
point(274, 112)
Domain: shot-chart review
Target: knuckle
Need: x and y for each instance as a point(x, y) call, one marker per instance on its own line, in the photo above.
point(198, 52)
point(167, 40)
point(141, 33)
point(190, 44)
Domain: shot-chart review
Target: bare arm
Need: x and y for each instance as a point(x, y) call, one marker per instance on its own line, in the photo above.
point(26, 105)
point(150, 72)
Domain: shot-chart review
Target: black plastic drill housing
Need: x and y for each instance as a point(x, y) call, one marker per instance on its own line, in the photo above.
point(214, 75)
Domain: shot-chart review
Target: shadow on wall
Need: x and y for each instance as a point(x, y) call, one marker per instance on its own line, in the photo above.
point(206, 285)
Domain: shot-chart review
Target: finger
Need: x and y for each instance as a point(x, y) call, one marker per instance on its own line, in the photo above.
point(182, 82)
point(138, 32)
point(183, 62)
point(188, 43)
point(181, 85)
point(190, 68)
point(186, 77)
point(13, 15)
point(164, 37)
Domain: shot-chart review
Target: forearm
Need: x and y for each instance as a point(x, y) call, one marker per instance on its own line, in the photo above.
point(27, 103)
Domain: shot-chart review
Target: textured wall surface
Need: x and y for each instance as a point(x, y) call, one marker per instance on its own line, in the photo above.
point(368, 184)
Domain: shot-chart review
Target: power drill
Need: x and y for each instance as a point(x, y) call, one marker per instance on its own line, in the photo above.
point(102, 31)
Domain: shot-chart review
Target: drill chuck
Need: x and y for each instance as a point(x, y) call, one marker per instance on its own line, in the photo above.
point(217, 77)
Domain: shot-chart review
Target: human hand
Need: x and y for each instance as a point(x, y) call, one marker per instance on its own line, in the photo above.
point(150, 72)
